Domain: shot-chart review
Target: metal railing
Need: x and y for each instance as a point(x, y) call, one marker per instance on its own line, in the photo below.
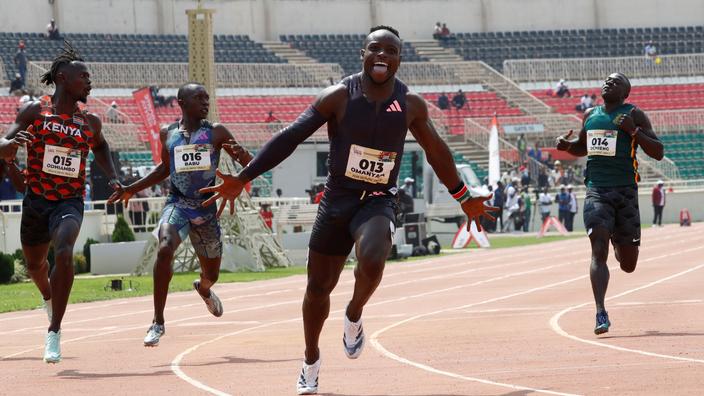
point(229, 75)
point(677, 121)
point(539, 70)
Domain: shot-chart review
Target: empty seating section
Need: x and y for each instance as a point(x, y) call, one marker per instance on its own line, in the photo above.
point(479, 105)
point(8, 109)
point(687, 151)
point(653, 97)
point(340, 48)
point(494, 47)
point(139, 48)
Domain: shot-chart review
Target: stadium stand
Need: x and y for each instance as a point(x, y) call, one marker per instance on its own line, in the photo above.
point(495, 47)
point(132, 48)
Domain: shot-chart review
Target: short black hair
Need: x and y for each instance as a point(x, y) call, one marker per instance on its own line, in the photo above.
point(183, 88)
point(68, 54)
point(385, 27)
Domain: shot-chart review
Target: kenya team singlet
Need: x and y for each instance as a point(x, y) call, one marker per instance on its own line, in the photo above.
point(56, 159)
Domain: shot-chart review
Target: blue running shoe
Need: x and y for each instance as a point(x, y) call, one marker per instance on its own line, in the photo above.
point(52, 349)
point(602, 323)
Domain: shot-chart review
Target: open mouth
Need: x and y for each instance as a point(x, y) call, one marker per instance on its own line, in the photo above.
point(380, 67)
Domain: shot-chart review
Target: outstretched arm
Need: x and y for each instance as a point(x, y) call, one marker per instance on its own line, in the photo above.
point(279, 147)
point(440, 158)
point(156, 176)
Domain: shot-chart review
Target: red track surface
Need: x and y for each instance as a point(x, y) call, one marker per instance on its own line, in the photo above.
point(493, 322)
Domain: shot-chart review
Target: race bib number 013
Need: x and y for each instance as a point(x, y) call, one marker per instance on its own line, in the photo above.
point(192, 157)
point(61, 161)
point(601, 142)
point(369, 165)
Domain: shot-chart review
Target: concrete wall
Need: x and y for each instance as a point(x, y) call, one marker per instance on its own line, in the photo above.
point(267, 19)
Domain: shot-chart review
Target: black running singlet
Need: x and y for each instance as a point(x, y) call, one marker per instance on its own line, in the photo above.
point(366, 147)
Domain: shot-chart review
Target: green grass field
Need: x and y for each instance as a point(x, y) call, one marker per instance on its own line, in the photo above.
point(23, 296)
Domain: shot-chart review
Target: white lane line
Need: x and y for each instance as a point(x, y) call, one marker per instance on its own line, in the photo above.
point(175, 364)
point(555, 325)
point(377, 345)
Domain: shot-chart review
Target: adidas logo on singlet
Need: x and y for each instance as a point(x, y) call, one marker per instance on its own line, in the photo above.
point(394, 107)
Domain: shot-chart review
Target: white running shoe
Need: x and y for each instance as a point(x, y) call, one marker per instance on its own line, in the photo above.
point(308, 380)
point(48, 309)
point(353, 338)
point(153, 334)
point(52, 349)
point(213, 302)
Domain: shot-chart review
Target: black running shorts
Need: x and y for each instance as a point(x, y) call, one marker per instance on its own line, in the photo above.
point(616, 209)
point(341, 212)
point(40, 217)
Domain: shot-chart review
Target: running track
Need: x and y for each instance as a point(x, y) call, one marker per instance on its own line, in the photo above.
point(492, 322)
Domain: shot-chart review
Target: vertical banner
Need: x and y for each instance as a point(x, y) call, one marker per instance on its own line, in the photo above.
point(494, 155)
point(145, 105)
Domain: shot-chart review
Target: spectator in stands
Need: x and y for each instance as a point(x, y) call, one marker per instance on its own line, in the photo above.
point(445, 32)
point(562, 90)
point(527, 203)
point(543, 178)
point(525, 176)
point(563, 202)
point(320, 192)
point(459, 100)
point(658, 202)
point(52, 31)
point(279, 193)
point(266, 214)
point(271, 118)
point(521, 145)
point(545, 201)
point(112, 115)
point(161, 100)
point(437, 31)
point(16, 84)
point(585, 102)
point(443, 102)
point(535, 152)
point(408, 186)
point(21, 61)
point(499, 201)
point(512, 207)
point(573, 208)
point(650, 50)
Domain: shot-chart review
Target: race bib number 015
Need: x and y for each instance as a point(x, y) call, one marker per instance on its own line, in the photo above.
point(601, 142)
point(192, 157)
point(61, 161)
point(369, 165)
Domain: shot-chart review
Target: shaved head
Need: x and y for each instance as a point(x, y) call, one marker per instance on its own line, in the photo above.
point(381, 30)
point(188, 89)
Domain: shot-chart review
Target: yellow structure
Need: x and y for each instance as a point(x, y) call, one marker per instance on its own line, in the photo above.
point(201, 54)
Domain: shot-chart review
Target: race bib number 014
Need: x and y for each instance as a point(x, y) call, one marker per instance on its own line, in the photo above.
point(61, 161)
point(369, 165)
point(601, 142)
point(192, 157)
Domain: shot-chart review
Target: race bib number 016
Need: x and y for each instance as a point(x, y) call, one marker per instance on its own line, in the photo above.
point(369, 165)
point(192, 157)
point(601, 142)
point(61, 161)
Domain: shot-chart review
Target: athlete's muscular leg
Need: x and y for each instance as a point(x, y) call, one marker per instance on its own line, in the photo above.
point(38, 267)
point(209, 273)
point(599, 270)
point(163, 271)
point(373, 243)
point(627, 256)
point(61, 279)
point(323, 274)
